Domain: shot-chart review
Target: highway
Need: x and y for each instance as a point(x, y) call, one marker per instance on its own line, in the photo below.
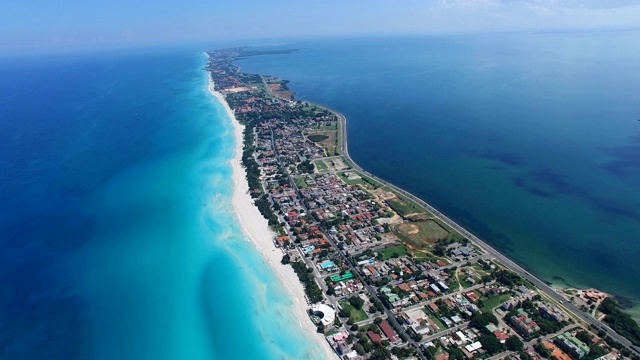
point(546, 289)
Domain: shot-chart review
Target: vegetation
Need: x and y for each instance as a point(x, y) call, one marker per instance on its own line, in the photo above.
point(492, 302)
point(320, 165)
point(508, 278)
point(317, 137)
point(422, 234)
point(300, 183)
point(404, 206)
point(392, 252)
point(619, 321)
point(514, 343)
point(306, 167)
point(479, 321)
point(251, 166)
point(306, 277)
point(490, 344)
point(352, 309)
point(262, 203)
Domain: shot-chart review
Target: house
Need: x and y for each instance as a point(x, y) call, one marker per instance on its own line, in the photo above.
point(433, 307)
point(473, 297)
point(282, 240)
point(375, 338)
point(389, 332)
point(434, 288)
point(502, 337)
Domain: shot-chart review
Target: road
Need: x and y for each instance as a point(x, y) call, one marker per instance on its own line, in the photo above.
point(354, 270)
point(546, 289)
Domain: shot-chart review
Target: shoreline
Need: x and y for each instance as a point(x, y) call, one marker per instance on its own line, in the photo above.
point(551, 292)
point(256, 229)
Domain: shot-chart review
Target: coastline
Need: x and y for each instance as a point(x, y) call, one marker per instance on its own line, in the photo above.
point(549, 292)
point(256, 229)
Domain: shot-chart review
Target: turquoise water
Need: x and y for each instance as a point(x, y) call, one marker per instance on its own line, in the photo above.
point(118, 236)
point(529, 140)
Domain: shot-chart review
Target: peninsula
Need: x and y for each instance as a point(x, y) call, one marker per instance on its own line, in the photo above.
point(383, 273)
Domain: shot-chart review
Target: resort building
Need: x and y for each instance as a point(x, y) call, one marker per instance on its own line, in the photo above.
point(523, 325)
point(572, 345)
point(323, 314)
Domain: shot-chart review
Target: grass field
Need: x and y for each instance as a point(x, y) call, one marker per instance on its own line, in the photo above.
point(479, 270)
point(320, 165)
point(355, 315)
point(421, 234)
point(300, 183)
point(425, 256)
point(328, 127)
point(404, 206)
point(366, 182)
point(493, 301)
point(327, 139)
point(389, 252)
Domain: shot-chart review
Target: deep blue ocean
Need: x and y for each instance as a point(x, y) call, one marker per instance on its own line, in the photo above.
point(529, 140)
point(117, 236)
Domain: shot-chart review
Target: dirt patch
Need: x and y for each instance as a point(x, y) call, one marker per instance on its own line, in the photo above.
point(411, 229)
point(421, 234)
point(278, 91)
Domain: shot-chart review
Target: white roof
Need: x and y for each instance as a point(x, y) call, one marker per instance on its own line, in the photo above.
point(473, 347)
point(328, 313)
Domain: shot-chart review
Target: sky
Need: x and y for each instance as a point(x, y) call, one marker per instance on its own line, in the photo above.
point(44, 24)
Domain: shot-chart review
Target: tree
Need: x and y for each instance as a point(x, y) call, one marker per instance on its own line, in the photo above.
point(359, 349)
point(584, 337)
point(331, 290)
point(490, 343)
point(480, 320)
point(379, 353)
point(356, 302)
point(455, 354)
point(514, 343)
point(439, 250)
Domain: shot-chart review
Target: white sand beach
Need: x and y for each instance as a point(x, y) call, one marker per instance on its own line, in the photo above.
point(257, 230)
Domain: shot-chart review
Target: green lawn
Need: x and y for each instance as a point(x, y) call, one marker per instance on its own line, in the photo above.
point(420, 234)
point(404, 206)
point(479, 270)
point(329, 127)
point(425, 256)
point(364, 181)
point(488, 304)
point(354, 314)
point(463, 280)
point(389, 252)
point(321, 165)
point(437, 322)
point(300, 183)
